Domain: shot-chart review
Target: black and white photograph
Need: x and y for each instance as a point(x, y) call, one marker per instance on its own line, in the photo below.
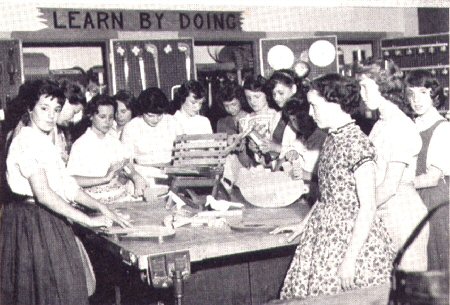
point(224, 152)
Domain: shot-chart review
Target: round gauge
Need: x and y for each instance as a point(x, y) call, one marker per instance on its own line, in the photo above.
point(322, 53)
point(302, 69)
point(280, 57)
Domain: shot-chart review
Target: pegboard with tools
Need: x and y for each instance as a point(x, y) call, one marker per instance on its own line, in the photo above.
point(428, 52)
point(11, 70)
point(140, 64)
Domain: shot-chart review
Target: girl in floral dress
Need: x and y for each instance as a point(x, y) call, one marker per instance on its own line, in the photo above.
point(343, 244)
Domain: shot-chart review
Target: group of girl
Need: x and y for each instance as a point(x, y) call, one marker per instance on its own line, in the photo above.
point(374, 189)
point(367, 203)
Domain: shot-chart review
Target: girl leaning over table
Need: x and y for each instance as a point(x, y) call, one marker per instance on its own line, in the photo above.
point(99, 162)
point(433, 163)
point(398, 144)
point(39, 257)
point(343, 243)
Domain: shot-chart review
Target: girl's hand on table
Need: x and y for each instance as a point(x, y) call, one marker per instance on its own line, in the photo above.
point(115, 218)
point(100, 221)
point(346, 273)
point(296, 230)
point(139, 186)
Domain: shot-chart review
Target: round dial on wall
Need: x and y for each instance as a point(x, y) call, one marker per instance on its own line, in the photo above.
point(280, 57)
point(322, 53)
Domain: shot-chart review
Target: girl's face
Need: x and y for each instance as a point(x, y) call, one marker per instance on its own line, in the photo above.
point(123, 114)
point(192, 105)
point(322, 111)
point(103, 120)
point(45, 113)
point(152, 119)
point(256, 99)
point(420, 99)
point(232, 107)
point(281, 93)
point(293, 123)
point(68, 112)
point(370, 93)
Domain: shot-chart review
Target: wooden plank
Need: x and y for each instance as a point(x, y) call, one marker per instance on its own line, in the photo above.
point(199, 161)
point(200, 153)
point(214, 136)
point(199, 144)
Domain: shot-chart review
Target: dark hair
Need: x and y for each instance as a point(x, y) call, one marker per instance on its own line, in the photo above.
point(299, 109)
point(97, 101)
point(73, 92)
point(339, 89)
point(152, 100)
point(190, 86)
point(257, 84)
point(229, 91)
point(127, 98)
point(388, 77)
point(424, 78)
point(27, 98)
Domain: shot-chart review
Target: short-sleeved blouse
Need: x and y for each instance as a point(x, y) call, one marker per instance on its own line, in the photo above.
point(438, 154)
point(30, 151)
point(344, 150)
point(396, 139)
point(197, 124)
point(92, 156)
point(150, 145)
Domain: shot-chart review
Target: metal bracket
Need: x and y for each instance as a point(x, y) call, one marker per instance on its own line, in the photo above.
point(164, 267)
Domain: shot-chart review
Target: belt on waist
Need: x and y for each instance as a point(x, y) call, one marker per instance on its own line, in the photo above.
point(20, 197)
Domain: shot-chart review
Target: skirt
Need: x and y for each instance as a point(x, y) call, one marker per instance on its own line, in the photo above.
point(438, 242)
point(39, 258)
point(401, 214)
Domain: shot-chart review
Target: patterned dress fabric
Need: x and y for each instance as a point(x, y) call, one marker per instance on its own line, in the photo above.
point(328, 232)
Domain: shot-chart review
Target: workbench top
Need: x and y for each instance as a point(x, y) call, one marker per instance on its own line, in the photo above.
point(203, 242)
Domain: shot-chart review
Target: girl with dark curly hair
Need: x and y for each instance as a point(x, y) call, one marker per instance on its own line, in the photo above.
point(398, 144)
point(188, 101)
point(343, 243)
point(40, 261)
point(433, 167)
point(126, 110)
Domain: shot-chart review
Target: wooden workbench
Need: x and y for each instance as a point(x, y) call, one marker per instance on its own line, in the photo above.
point(227, 267)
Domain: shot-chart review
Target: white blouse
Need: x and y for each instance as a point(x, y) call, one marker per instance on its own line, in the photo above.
point(30, 151)
point(150, 145)
point(396, 139)
point(92, 156)
point(438, 154)
point(197, 124)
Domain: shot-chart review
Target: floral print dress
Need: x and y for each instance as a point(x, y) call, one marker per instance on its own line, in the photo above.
point(327, 235)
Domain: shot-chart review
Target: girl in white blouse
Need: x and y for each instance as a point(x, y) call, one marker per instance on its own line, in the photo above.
point(433, 164)
point(39, 257)
point(188, 101)
point(98, 160)
point(398, 144)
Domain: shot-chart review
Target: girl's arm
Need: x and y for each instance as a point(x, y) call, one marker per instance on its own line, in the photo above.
point(388, 188)
point(113, 171)
point(297, 228)
point(366, 190)
point(428, 179)
point(46, 196)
